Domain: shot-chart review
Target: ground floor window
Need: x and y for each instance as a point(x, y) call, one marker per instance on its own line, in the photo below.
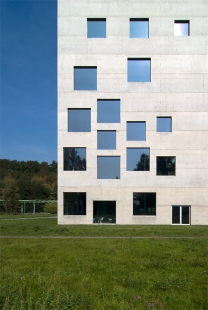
point(144, 203)
point(181, 215)
point(104, 212)
point(75, 203)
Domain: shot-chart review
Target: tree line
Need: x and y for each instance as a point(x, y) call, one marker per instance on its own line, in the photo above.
point(26, 180)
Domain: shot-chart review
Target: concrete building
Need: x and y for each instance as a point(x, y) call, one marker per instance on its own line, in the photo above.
point(133, 112)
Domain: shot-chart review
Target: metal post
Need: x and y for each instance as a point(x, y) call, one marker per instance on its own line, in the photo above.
point(34, 206)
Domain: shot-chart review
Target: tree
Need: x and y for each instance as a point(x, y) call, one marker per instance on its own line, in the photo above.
point(10, 194)
point(143, 163)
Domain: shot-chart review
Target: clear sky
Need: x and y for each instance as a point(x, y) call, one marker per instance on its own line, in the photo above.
point(28, 82)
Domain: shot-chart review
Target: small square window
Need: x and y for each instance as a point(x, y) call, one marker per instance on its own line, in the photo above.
point(85, 78)
point(138, 159)
point(79, 120)
point(139, 27)
point(139, 70)
point(136, 131)
point(74, 158)
point(106, 139)
point(96, 27)
point(164, 124)
point(181, 28)
point(108, 167)
point(166, 165)
point(108, 111)
point(144, 203)
point(75, 203)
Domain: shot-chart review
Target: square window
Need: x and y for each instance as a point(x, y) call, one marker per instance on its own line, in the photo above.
point(79, 120)
point(108, 167)
point(166, 165)
point(108, 111)
point(74, 158)
point(138, 159)
point(96, 27)
point(164, 124)
point(136, 131)
point(104, 212)
point(144, 203)
point(181, 28)
point(106, 139)
point(181, 215)
point(75, 203)
point(139, 27)
point(139, 70)
point(85, 78)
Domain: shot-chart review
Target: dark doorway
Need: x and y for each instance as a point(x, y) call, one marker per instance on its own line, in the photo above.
point(104, 212)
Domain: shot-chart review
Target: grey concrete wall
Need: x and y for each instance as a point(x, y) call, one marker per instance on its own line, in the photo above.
point(178, 88)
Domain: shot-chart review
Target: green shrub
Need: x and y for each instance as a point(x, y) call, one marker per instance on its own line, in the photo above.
point(50, 208)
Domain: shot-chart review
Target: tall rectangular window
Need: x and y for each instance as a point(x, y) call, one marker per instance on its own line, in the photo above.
point(108, 111)
point(106, 139)
point(85, 78)
point(166, 165)
point(96, 27)
point(164, 124)
point(74, 158)
point(138, 159)
point(139, 27)
point(79, 120)
point(75, 203)
point(108, 167)
point(144, 203)
point(136, 131)
point(139, 70)
point(181, 28)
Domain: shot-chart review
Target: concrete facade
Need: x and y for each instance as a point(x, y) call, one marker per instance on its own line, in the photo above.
point(178, 89)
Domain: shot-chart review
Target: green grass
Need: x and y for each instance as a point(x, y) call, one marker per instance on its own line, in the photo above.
point(103, 273)
point(49, 227)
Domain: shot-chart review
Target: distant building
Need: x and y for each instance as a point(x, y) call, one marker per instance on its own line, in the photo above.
point(133, 112)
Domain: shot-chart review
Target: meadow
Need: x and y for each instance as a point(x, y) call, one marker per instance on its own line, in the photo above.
point(166, 268)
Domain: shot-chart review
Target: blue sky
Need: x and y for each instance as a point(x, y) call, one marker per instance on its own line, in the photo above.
point(28, 98)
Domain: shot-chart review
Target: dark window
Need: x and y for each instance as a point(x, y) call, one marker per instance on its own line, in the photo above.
point(85, 78)
point(166, 165)
point(138, 159)
point(104, 212)
point(108, 167)
point(181, 28)
point(74, 203)
point(164, 124)
point(79, 120)
point(74, 158)
point(180, 214)
point(136, 131)
point(139, 27)
point(139, 70)
point(96, 27)
point(144, 203)
point(106, 139)
point(108, 111)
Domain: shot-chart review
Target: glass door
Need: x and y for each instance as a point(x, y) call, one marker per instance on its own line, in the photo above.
point(181, 215)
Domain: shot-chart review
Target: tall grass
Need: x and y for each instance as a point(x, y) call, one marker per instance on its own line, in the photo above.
point(104, 274)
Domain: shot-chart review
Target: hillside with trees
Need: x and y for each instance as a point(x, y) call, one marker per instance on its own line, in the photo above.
point(27, 180)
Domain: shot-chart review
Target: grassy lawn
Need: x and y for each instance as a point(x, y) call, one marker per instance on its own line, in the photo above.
point(49, 227)
point(103, 273)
